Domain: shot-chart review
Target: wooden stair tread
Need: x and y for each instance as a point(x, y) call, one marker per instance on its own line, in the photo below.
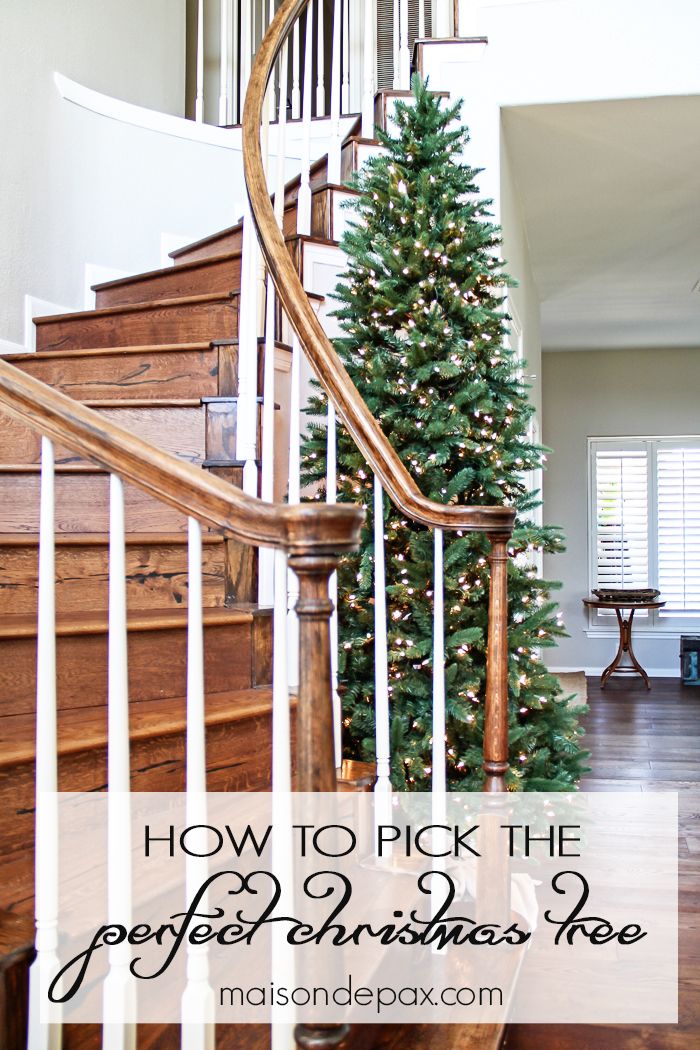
point(55, 355)
point(16, 937)
point(126, 308)
point(227, 231)
point(98, 539)
point(95, 622)
point(167, 271)
point(85, 728)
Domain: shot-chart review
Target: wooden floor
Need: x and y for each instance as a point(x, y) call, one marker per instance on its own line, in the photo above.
point(645, 741)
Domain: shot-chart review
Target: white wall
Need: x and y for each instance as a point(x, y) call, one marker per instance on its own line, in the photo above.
point(49, 216)
point(617, 393)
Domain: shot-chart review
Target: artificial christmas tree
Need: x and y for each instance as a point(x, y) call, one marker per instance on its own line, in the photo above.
point(421, 306)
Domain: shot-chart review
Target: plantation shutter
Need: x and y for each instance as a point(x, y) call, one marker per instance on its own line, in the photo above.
point(386, 26)
point(621, 517)
point(678, 495)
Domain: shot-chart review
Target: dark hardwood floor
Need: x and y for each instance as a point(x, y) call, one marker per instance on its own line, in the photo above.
point(645, 741)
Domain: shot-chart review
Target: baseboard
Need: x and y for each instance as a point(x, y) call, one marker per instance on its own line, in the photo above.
point(8, 347)
point(653, 672)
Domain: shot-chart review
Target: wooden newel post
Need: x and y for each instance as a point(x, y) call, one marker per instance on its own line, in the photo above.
point(496, 714)
point(314, 563)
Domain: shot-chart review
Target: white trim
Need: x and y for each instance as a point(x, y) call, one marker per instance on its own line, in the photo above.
point(7, 347)
point(639, 632)
point(97, 274)
point(596, 672)
point(180, 127)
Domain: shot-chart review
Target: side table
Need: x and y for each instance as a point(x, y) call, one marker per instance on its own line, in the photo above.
point(625, 644)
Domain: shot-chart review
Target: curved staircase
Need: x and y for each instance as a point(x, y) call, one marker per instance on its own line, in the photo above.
point(158, 356)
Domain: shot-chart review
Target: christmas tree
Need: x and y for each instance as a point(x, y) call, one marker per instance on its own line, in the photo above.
point(422, 311)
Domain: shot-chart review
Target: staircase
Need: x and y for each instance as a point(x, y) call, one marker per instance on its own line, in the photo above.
point(159, 358)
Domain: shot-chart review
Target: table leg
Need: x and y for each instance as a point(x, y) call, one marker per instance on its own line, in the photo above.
point(624, 646)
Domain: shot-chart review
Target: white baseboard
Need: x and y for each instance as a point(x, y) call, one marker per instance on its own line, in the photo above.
point(593, 672)
point(96, 274)
point(7, 347)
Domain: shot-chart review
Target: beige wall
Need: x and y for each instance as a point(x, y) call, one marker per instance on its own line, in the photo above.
point(131, 49)
point(619, 393)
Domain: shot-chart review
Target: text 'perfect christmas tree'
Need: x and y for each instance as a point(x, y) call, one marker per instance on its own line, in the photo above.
point(425, 331)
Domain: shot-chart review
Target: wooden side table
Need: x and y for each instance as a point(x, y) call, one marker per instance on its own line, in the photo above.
point(625, 645)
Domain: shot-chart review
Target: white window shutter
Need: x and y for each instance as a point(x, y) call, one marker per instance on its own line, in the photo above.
point(621, 518)
point(678, 496)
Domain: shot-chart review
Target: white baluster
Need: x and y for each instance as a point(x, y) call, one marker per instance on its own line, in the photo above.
point(198, 1008)
point(335, 143)
point(381, 650)
point(45, 965)
point(247, 404)
point(421, 19)
point(224, 45)
point(345, 102)
point(320, 61)
point(282, 1034)
point(119, 991)
point(442, 18)
point(246, 51)
point(304, 200)
point(369, 69)
point(439, 761)
point(236, 99)
point(331, 498)
point(404, 56)
point(296, 76)
point(396, 46)
point(199, 99)
point(294, 497)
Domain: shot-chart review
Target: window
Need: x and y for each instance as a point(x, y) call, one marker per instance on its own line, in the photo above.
point(645, 522)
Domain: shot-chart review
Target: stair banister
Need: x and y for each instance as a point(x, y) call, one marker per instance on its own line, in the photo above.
point(495, 521)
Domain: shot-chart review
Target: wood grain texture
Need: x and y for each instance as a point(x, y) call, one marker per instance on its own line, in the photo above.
point(177, 486)
point(16, 954)
point(156, 573)
point(196, 318)
point(221, 273)
point(157, 660)
point(179, 431)
point(168, 371)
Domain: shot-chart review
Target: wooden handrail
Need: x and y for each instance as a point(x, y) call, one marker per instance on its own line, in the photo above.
point(300, 530)
point(350, 406)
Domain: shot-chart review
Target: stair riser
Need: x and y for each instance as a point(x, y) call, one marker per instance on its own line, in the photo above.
point(329, 218)
point(82, 505)
point(181, 431)
point(156, 577)
point(186, 323)
point(239, 758)
point(157, 666)
point(354, 155)
point(221, 275)
point(165, 374)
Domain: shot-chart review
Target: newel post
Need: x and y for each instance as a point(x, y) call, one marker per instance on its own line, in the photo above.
point(495, 763)
point(321, 536)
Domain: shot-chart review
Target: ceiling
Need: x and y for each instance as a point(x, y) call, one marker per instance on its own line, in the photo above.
point(610, 193)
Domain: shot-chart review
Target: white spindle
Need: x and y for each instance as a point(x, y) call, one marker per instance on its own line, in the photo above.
point(421, 19)
point(199, 100)
point(381, 649)
point(294, 497)
point(304, 201)
point(119, 992)
point(345, 103)
point(198, 1008)
point(296, 76)
point(335, 143)
point(45, 965)
point(404, 56)
point(439, 762)
point(396, 46)
point(368, 69)
point(331, 497)
point(224, 45)
point(246, 50)
point(442, 18)
point(235, 65)
point(281, 726)
point(247, 404)
point(320, 61)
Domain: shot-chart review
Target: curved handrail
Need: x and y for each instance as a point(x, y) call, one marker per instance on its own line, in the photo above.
point(301, 529)
point(350, 406)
